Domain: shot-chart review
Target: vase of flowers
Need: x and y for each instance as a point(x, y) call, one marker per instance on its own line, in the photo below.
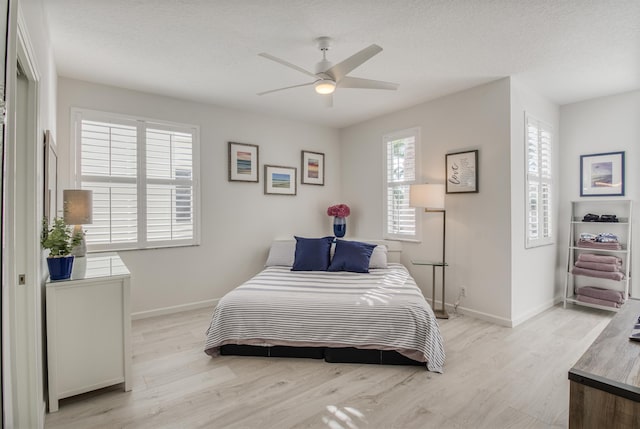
point(339, 213)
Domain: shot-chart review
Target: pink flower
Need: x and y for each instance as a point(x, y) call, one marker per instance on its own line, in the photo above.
point(339, 210)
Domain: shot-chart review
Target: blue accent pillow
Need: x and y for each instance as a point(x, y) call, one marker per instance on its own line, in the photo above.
point(351, 256)
point(312, 254)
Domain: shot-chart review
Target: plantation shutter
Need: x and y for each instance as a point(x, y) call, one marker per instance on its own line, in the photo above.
point(401, 171)
point(109, 169)
point(539, 183)
point(144, 181)
point(169, 185)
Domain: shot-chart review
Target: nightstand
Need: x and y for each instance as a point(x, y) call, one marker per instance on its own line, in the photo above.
point(89, 328)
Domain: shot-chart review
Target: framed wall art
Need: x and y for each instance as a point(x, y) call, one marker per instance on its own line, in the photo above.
point(50, 175)
point(280, 180)
point(462, 172)
point(602, 174)
point(312, 168)
point(243, 162)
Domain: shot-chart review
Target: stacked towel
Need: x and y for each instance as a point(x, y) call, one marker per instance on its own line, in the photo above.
point(604, 240)
point(601, 259)
point(603, 302)
point(601, 294)
point(601, 266)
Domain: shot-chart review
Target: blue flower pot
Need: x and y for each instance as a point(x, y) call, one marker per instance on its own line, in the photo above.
point(339, 226)
point(60, 268)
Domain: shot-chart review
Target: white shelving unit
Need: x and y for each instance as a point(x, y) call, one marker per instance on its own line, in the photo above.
point(622, 228)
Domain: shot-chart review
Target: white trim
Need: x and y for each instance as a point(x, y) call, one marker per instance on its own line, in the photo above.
point(142, 125)
point(386, 138)
point(23, 183)
point(175, 309)
point(541, 241)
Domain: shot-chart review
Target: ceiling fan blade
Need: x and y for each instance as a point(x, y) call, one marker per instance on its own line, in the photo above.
point(286, 63)
point(286, 87)
point(343, 68)
point(357, 82)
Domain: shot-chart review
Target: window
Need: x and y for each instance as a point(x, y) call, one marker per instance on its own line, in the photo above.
point(539, 183)
point(144, 179)
point(401, 170)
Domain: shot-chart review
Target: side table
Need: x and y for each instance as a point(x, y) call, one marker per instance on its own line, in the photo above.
point(440, 313)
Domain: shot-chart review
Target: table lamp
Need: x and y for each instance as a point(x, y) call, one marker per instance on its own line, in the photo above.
point(78, 210)
point(431, 198)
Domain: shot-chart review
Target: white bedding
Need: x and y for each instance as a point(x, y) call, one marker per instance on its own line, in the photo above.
point(383, 310)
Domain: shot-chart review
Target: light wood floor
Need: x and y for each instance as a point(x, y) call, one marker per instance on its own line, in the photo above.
point(494, 377)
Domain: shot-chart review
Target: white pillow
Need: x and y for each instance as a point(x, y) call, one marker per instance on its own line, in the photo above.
point(281, 253)
point(378, 257)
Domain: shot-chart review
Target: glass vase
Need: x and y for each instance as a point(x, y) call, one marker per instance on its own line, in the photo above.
point(339, 226)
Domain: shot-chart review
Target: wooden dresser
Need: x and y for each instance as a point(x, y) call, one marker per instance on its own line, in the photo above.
point(605, 382)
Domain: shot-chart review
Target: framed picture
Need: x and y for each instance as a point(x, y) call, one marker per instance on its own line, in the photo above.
point(50, 176)
point(602, 174)
point(280, 180)
point(462, 172)
point(312, 168)
point(243, 162)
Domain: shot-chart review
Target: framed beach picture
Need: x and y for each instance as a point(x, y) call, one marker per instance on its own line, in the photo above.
point(462, 172)
point(602, 174)
point(243, 162)
point(312, 168)
point(280, 180)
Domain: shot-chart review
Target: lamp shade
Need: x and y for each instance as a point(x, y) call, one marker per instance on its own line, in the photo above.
point(78, 206)
point(429, 196)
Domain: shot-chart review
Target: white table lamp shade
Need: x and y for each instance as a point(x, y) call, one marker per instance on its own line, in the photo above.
point(78, 207)
point(428, 196)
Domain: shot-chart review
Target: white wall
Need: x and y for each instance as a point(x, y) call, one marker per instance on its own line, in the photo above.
point(478, 234)
point(238, 220)
point(607, 124)
point(532, 270)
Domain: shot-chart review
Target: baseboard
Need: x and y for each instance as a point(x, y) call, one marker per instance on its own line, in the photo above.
point(174, 309)
point(482, 316)
point(534, 312)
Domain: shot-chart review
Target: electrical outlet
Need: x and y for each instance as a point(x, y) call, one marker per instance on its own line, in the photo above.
point(463, 291)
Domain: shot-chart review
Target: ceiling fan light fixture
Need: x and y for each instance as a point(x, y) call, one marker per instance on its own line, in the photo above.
point(325, 86)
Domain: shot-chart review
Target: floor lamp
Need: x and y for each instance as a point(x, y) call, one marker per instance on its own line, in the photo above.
point(431, 198)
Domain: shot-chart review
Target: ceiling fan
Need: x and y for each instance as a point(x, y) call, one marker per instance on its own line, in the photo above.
point(328, 77)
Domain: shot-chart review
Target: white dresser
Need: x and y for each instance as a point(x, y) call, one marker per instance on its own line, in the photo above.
point(88, 328)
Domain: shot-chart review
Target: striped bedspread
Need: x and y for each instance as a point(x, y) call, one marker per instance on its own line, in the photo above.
point(381, 310)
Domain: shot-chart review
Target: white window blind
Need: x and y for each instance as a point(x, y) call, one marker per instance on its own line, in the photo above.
point(539, 183)
point(144, 181)
point(401, 170)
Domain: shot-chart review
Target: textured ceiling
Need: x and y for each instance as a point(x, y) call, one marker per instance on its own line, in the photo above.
point(206, 50)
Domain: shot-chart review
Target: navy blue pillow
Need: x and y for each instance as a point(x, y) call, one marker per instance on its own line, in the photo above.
point(351, 256)
point(312, 254)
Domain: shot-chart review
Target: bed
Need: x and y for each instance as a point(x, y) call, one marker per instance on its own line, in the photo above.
point(378, 316)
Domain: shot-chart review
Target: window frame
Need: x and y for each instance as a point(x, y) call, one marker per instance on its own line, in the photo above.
point(541, 181)
point(386, 139)
point(141, 180)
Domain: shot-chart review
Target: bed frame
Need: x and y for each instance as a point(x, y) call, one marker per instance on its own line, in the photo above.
point(329, 354)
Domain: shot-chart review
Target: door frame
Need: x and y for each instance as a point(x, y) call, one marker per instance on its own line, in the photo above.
point(23, 309)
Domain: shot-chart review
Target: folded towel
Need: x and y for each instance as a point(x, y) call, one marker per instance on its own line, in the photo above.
point(596, 245)
point(597, 266)
point(600, 293)
point(607, 237)
point(595, 273)
point(597, 301)
point(588, 236)
point(601, 259)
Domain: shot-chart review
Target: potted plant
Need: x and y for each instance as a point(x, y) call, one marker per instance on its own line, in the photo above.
point(339, 213)
point(60, 240)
